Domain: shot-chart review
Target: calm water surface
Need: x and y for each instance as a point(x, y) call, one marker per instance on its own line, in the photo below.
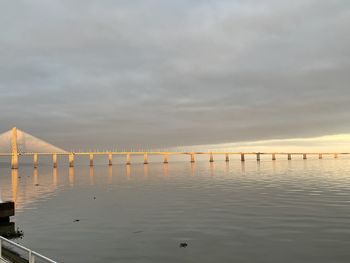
point(282, 211)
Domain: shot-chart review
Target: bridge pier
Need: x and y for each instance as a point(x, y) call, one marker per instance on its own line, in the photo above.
point(165, 157)
point(110, 162)
point(71, 159)
point(91, 159)
point(71, 156)
point(54, 160)
point(35, 160)
point(128, 159)
point(193, 158)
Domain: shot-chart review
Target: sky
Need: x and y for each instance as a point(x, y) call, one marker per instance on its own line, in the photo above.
point(86, 74)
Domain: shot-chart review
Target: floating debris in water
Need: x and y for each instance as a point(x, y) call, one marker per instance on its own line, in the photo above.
point(183, 245)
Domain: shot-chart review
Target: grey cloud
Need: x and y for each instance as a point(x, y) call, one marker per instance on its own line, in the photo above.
point(83, 74)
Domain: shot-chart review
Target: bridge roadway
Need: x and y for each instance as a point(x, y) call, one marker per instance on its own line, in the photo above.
point(165, 154)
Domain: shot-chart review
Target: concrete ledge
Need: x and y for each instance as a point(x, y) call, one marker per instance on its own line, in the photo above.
point(12, 256)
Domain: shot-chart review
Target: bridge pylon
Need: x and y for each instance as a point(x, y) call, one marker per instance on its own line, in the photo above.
point(15, 143)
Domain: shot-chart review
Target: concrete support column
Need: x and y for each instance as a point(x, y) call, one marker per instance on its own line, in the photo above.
point(165, 157)
point(227, 158)
point(71, 159)
point(110, 157)
point(211, 159)
point(304, 156)
point(289, 156)
point(258, 157)
point(335, 155)
point(91, 159)
point(193, 158)
point(320, 156)
point(128, 159)
point(273, 157)
point(35, 160)
point(145, 158)
point(242, 157)
point(54, 160)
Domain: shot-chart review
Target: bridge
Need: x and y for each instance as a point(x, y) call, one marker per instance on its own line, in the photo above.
point(16, 143)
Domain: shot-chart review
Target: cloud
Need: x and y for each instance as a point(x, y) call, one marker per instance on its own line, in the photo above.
point(164, 73)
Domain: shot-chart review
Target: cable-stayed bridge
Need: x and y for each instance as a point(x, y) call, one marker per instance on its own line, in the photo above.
point(16, 143)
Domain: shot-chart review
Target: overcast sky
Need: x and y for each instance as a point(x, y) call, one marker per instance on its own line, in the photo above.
point(87, 73)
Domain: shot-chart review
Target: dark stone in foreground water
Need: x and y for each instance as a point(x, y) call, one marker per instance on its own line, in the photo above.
point(7, 228)
point(7, 209)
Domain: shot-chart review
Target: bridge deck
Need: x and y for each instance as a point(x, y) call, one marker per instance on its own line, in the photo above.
point(177, 153)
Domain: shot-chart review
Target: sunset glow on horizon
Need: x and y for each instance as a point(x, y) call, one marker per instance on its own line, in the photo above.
point(329, 143)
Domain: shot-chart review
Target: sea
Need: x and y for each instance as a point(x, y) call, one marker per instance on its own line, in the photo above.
point(267, 211)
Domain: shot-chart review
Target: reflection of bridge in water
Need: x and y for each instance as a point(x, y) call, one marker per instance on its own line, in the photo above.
point(27, 185)
point(15, 143)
